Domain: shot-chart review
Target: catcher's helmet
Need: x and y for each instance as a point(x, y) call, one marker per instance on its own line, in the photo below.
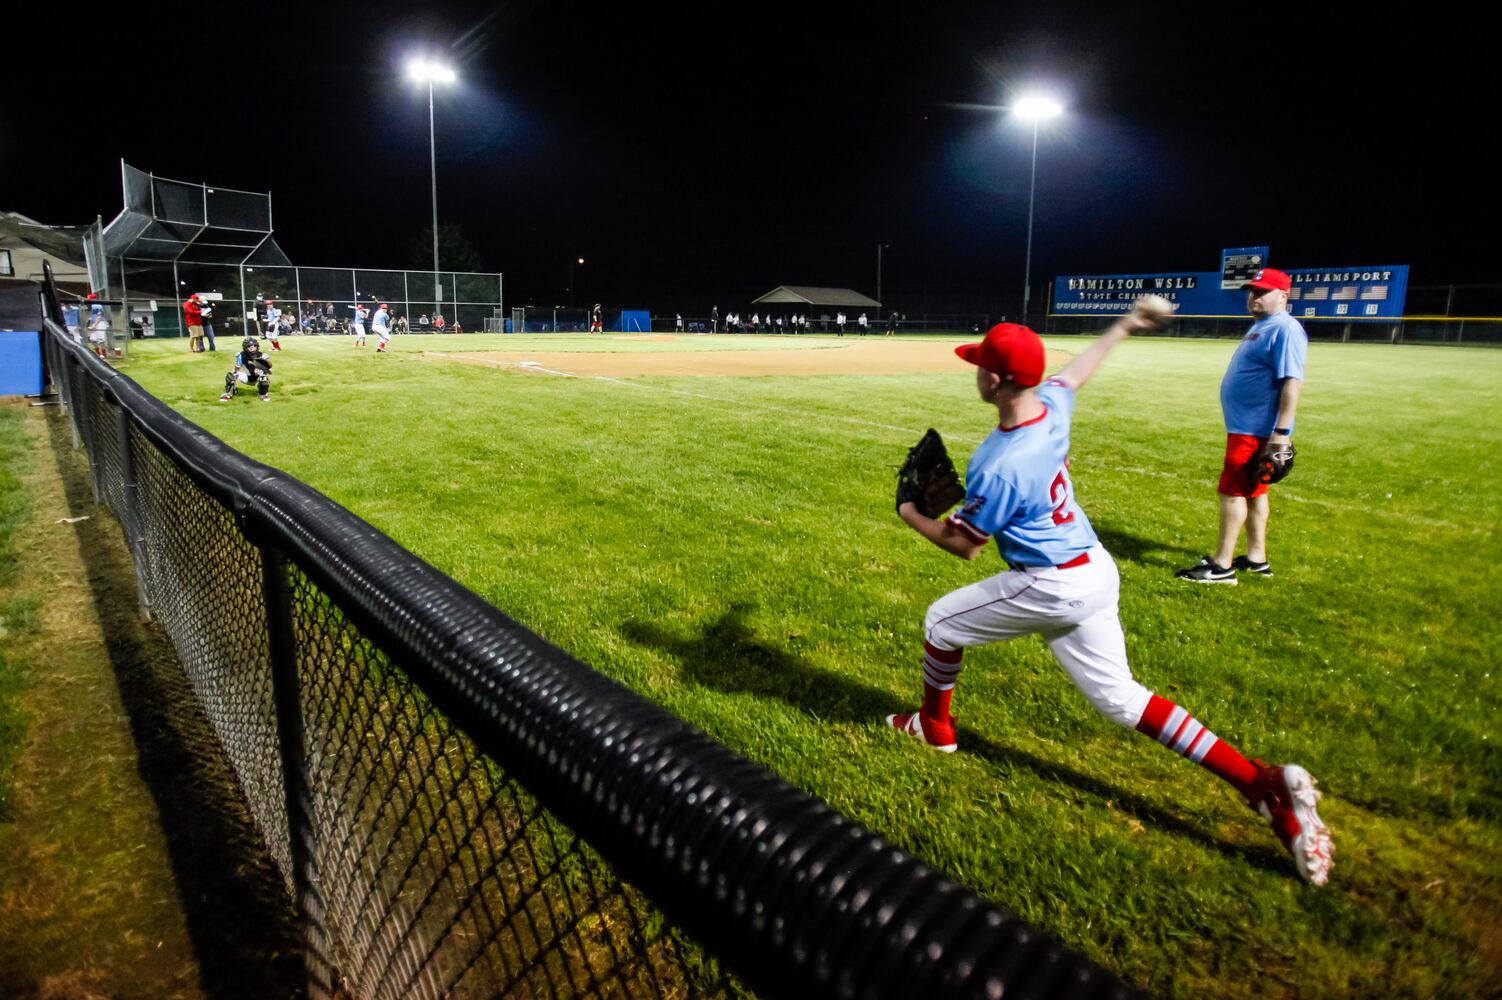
point(250, 344)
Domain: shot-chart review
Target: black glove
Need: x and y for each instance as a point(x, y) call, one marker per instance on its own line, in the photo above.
point(1274, 462)
point(928, 478)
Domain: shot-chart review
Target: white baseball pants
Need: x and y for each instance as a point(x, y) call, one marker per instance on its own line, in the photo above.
point(1074, 610)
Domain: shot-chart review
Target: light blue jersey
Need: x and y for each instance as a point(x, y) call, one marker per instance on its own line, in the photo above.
point(379, 320)
point(360, 314)
point(1272, 350)
point(273, 315)
point(1018, 490)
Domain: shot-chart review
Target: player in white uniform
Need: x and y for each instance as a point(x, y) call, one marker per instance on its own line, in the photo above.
point(357, 328)
point(1063, 585)
point(381, 324)
point(99, 327)
point(273, 325)
point(863, 324)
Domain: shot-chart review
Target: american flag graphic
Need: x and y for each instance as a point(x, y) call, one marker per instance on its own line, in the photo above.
point(1294, 293)
point(1345, 293)
point(1375, 293)
point(1318, 293)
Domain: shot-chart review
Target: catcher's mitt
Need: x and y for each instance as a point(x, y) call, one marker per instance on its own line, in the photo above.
point(1274, 462)
point(928, 478)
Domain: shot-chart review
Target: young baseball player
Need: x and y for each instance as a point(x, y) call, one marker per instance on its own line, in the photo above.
point(381, 324)
point(99, 327)
point(250, 363)
point(273, 325)
point(357, 328)
point(1063, 585)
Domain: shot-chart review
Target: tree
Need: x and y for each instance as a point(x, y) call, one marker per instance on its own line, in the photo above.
point(455, 251)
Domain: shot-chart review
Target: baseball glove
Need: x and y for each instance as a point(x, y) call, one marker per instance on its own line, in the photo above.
point(1274, 462)
point(928, 478)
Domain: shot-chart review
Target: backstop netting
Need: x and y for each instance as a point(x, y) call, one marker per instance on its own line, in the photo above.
point(460, 809)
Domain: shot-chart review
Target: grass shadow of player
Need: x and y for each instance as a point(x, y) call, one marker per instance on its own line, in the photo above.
point(729, 656)
point(1147, 551)
point(239, 918)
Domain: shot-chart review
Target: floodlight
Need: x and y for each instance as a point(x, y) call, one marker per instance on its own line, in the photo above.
point(427, 72)
point(1037, 108)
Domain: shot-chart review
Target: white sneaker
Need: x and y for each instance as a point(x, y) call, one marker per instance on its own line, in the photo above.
point(939, 735)
point(1286, 796)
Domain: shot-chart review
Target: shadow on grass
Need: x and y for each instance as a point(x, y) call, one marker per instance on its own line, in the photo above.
point(1147, 551)
point(728, 656)
point(239, 916)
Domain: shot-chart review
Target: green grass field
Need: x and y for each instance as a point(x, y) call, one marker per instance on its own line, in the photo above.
point(727, 547)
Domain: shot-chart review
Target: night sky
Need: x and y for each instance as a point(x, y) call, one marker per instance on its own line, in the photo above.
point(710, 153)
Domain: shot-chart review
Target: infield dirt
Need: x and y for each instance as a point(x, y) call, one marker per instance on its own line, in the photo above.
point(819, 357)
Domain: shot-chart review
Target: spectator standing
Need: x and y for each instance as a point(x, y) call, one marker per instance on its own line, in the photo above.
point(1259, 395)
point(193, 313)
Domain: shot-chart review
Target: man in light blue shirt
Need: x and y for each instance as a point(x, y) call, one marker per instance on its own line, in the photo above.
point(1258, 397)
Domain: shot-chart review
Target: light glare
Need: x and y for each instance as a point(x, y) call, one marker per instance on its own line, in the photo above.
point(1034, 108)
point(425, 72)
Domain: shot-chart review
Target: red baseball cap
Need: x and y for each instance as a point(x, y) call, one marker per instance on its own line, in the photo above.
point(1010, 350)
point(1270, 279)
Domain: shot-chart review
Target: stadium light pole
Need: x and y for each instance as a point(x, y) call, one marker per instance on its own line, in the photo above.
point(430, 73)
point(1037, 110)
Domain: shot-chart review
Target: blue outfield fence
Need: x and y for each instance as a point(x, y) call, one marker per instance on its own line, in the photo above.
point(459, 808)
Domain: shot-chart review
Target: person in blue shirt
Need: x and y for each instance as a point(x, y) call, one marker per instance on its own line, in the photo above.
point(1258, 398)
point(357, 328)
point(1063, 585)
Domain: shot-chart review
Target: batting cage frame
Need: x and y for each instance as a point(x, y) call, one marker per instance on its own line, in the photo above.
point(458, 807)
point(173, 238)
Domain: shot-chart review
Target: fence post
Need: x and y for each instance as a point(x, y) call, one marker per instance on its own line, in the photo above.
point(85, 421)
point(131, 516)
point(70, 396)
point(286, 694)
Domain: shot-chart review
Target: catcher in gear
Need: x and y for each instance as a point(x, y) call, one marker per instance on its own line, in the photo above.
point(1259, 396)
point(250, 364)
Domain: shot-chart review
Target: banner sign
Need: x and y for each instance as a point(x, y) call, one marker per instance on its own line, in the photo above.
point(1193, 293)
point(1345, 293)
point(1348, 292)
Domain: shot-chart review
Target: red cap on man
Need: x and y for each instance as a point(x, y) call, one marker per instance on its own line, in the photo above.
point(1269, 279)
point(93, 296)
point(1010, 350)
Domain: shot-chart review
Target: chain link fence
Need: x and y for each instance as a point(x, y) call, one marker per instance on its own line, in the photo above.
point(458, 808)
point(313, 300)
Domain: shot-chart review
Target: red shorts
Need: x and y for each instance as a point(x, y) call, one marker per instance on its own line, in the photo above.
point(1238, 476)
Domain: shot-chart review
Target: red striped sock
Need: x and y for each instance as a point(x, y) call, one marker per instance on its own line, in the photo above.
point(941, 668)
point(1182, 733)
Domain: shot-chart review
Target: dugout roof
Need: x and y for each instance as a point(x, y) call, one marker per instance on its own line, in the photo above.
point(178, 221)
point(808, 295)
point(62, 242)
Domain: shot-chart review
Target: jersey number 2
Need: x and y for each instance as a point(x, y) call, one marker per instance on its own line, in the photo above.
point(1058, 494)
